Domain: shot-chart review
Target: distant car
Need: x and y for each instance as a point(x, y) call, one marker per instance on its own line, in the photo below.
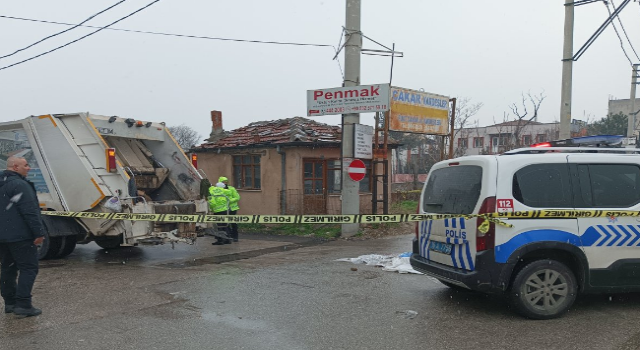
point(539, 264)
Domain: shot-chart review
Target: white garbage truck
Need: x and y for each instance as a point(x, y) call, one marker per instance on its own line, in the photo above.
point(82, 162)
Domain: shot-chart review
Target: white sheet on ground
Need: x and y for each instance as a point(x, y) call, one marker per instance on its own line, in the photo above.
point(387, 262)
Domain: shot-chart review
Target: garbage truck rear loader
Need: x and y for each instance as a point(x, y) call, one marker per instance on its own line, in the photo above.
point(83, 162)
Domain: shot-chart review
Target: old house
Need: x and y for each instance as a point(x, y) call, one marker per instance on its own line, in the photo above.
point(286, 166)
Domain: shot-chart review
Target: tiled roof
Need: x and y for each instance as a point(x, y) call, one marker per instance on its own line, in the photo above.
point(280, 131)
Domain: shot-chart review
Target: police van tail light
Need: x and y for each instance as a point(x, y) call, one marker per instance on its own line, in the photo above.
point(111, 160)
point(486, 240)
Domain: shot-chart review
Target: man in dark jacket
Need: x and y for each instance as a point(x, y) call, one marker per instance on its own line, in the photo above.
point(21, 229)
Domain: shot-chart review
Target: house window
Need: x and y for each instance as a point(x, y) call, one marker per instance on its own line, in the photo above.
point(325, 176)
point(541, 138)
point(463, 143)
point(246, 172)
point(526, 140)
point(501, 140)
point(334, 173)
point(478, 142)
point(365, 184)
point(314, 176)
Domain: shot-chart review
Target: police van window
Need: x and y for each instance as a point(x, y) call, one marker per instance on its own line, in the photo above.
point(610, 185)
point(543, 186)
point(453, 190)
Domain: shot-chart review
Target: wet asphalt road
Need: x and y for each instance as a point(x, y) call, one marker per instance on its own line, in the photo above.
point(286, 293)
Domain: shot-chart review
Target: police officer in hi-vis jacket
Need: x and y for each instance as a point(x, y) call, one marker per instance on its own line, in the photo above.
point(234, 198)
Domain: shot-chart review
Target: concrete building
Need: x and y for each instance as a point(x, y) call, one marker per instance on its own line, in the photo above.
point(286, 166)
point(501, 137)
point(622, 106)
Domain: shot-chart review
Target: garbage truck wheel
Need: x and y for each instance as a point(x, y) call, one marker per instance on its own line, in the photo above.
point(69, 246)
point(43, 248)
point(109, 242)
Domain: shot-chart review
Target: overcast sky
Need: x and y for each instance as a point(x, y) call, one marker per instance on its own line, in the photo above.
point(489, 51)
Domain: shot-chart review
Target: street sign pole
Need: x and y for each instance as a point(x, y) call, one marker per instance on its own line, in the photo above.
point(352, 47)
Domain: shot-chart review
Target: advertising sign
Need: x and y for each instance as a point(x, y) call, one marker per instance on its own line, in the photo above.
point(363, 141)
point(351, 99)
point(419, 112)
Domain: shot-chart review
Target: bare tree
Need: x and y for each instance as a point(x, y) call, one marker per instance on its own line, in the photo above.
point(186, 136)
point(524, 115)
point(465, 110)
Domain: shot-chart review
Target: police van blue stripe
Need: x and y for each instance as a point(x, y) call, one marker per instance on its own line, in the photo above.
point(421, 238)
point(428, 236)
point(504, 251)
point(462, 264)
point(606, 235)
point(462, 224)
point(616, 235)
point(453, 257)
point(632, 228)
point(593, 236)
point(429, 224)
point(471, 266)
point(627, 235)
point(453, 222)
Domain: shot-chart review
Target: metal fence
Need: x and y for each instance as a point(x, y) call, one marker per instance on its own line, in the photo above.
point(299, 203)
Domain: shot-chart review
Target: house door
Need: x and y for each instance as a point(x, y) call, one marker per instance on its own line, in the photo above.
point(315, 189)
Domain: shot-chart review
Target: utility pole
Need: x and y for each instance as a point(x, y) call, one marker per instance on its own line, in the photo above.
point(567, 71)
point(352, 47)
point(631, 124)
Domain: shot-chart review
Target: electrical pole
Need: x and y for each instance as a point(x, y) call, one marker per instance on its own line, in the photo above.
point(352, 47)
point(631, 124)
point(567, 71)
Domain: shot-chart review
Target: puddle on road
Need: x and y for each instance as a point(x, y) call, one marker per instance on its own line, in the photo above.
point(219, 259)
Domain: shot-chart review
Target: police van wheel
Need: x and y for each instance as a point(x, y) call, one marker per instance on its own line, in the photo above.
point(543, 289)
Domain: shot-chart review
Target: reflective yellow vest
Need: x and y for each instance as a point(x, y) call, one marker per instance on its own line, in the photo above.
point(234, 197)
point(218, 199)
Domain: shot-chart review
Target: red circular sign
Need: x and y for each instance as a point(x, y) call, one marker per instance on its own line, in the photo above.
point(357, 170)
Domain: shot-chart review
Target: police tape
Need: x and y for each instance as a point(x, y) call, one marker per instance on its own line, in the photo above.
point(565, 214)
point(496, 218)
point(273, 219)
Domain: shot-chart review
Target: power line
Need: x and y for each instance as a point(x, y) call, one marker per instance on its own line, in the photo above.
point(80, 38)
point(176, 35)
point(64, 31)
point(625, 32)
point(618, 34)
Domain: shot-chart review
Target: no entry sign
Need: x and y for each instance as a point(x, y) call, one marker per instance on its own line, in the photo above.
point(356, 170)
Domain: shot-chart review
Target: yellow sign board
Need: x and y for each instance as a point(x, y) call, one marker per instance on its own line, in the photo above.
point(419, 112)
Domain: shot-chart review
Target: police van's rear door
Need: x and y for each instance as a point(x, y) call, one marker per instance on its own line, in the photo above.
point(455, 187)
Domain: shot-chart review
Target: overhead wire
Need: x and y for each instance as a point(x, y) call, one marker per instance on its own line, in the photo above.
point(617, 33)
point(64, 31)
point(80, 38)
point(180, 36)
point(173, 34)
point(625, 32)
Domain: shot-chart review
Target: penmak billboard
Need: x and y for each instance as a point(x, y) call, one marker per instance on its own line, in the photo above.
point(352, 99)
point(419, 112)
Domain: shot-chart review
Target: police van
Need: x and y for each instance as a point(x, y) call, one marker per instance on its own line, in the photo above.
point(539, 264)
